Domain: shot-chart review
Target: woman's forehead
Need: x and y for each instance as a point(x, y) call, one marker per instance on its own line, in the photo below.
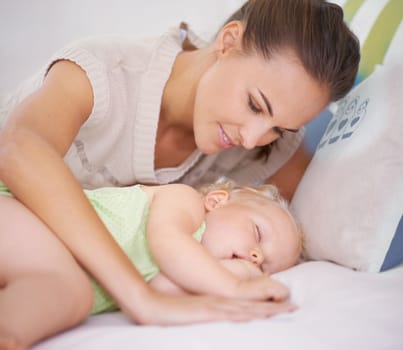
point(291, 91)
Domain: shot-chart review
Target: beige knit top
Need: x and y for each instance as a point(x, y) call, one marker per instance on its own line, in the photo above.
point(115, 146)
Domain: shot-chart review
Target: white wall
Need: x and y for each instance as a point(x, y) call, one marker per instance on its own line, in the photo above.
point(31, 30)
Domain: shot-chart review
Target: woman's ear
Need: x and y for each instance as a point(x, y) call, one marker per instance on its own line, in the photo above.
point(215, 199)
point(230, 36)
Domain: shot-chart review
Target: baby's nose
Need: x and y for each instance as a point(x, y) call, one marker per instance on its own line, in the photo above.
point(256, 256)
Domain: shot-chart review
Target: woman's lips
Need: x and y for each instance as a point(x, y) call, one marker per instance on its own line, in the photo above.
point(224, 139)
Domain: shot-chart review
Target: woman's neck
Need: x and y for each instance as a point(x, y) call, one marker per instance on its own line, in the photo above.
point(180, 90)
point(175, 137)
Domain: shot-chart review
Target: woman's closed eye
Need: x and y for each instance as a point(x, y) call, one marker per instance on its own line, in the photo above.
point(253, 106)
point(278, 131)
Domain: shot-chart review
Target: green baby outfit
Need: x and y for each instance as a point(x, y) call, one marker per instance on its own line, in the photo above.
point(124, 211)
point(4, 190)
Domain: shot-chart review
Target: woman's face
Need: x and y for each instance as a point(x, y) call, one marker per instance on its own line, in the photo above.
point(245, 100)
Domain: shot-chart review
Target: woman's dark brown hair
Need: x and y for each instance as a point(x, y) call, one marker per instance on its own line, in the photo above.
point(314, 29)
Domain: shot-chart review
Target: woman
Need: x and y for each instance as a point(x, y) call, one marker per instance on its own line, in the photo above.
point(171, 110)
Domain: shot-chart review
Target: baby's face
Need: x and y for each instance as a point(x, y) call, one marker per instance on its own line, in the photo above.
point(258, 231)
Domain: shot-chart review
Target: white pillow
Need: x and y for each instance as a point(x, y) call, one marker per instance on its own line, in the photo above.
point(350, 200)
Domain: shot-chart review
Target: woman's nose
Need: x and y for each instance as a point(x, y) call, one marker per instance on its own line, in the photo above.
point(256, 256)
point(251, 134)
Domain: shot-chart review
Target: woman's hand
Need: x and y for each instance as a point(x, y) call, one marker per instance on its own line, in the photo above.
point(180, 307)
point(159, 309)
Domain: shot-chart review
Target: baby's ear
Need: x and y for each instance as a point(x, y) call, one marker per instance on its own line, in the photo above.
point(215, 199)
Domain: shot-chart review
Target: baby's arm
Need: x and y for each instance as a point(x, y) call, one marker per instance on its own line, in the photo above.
point(176, 211)
point(240, 268)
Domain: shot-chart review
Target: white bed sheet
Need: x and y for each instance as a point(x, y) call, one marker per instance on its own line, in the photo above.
point(338, 309)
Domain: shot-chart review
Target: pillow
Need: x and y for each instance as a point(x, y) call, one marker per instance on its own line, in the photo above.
point(378, 25)
point(350, 200)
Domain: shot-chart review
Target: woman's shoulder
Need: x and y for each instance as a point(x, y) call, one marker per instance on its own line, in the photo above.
point(177, 190)
point(120, 44)
point(108, 47)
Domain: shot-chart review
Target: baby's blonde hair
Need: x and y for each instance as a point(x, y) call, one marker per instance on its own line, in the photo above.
point(265, 192)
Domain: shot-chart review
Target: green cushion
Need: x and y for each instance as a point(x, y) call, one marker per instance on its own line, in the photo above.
point(378, 25)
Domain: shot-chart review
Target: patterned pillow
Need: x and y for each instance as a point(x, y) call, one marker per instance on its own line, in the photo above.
point(350, 200)
point(378, 25)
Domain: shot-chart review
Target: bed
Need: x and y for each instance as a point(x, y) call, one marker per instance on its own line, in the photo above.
point(338, 309)
point(349, 292)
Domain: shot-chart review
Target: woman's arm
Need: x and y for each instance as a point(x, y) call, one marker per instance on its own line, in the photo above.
point(33, 143)
point(163, 284)
point(289, 175)
point(176, 212)
point(32, 146)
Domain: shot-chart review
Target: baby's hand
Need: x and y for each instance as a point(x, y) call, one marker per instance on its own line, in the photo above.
point(241, 268)
point(253, 283)
point(261, 288)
